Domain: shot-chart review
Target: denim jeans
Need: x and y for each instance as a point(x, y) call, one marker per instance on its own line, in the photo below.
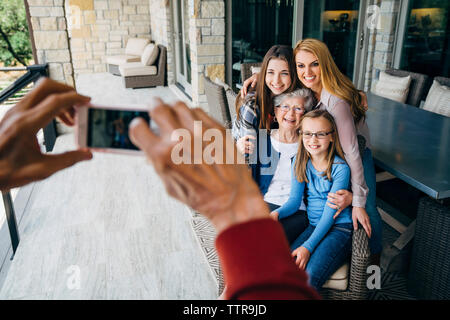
point(371, 205)
point(330, 254)
point(293, 225)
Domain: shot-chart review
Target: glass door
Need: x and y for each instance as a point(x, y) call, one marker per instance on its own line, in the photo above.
point(182, 45)
point(340, 24)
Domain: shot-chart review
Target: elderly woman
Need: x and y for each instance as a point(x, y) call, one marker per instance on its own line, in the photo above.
point(273, 157)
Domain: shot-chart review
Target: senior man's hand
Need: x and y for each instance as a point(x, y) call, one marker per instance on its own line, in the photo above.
point(21, 160)
point(224, 193)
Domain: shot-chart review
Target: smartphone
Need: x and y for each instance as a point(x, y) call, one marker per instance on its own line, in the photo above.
point(105, 128)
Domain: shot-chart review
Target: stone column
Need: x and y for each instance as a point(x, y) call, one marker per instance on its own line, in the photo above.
point(382, 41)
point(161, 25)
point(207, 36)
point(51, 38)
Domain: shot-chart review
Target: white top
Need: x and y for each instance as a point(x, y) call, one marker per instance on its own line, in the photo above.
point(280, 186)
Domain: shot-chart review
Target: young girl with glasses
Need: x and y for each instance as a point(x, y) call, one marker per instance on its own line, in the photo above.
point(320, 168)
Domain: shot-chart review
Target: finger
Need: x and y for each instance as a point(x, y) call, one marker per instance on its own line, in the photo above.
point(337, 213)
point(254, 82)
point(43, 88)
point(367, 227)
point(185, 115)
point(141, 135)
point(164, 116)
point(54, 105)
point(355, 223)
point(341, 192)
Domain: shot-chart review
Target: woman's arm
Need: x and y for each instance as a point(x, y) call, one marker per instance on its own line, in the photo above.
point(341, 180)
point(349, 142)
point(295, 196)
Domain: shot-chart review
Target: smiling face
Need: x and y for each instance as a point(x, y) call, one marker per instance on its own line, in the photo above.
point(314, 145)
point(308, 70)
point(289, 113)
point(278, 78)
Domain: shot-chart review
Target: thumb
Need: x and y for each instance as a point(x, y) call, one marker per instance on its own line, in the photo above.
point(141, 135)
point(57, 162)
point(355, 223)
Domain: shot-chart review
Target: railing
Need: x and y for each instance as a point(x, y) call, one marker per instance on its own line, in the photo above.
point(33, 73)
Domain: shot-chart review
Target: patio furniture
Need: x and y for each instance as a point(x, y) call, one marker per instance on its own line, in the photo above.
point(246, 69)
point(411, 143)
point(349, 282)
point(231, 99)
point(416, 88)
point(133, 52)
point(443, 81)
point(217, 102)
point(141, 75)
point(429, 276)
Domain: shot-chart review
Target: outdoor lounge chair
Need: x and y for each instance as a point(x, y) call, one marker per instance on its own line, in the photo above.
point(246, 69)
point(146, 73)
point(217, 102)
point(416, 88)
point(133, 52)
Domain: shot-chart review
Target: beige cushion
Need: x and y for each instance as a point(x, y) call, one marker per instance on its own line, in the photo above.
point(137, 69)
point(135, 46)
point(255, 69)
point(121, 59)
point(392, 87)
point(150, 54)
point(221, 83)
point(339, 279)
point(438, 99)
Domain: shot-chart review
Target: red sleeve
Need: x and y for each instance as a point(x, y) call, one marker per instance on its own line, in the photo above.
point(257, 263)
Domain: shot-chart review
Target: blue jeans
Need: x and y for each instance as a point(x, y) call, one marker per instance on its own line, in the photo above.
point(371, 205)
point(330, 254)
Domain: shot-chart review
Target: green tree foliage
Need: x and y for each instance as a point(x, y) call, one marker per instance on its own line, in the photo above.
point(15, 46)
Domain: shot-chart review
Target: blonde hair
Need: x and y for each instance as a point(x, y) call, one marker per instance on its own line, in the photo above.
point(303, 155)
point(333, 80)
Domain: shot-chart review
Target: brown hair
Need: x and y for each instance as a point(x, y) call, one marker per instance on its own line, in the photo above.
point(303, 155)
point(333, 80)
point(263, 93)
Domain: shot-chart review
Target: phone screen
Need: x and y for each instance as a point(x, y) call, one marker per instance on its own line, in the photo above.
point(109, 128)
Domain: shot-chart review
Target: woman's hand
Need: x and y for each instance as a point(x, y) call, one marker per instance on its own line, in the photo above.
point(360, 214)
point(244, 145)
point(21, 159)
point(302, 255)
point(274, 215)
point(250, 82)
point(339, 201)
point(224, 193)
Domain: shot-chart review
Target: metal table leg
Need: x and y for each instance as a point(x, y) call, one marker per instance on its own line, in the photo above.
point(11, 218)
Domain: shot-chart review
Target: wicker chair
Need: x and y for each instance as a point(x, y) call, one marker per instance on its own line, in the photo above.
point(145, 81)
point(417, 88)
point(217, 102)
point(429, 274)
point(443, 81)
point(246, 69)
point(231, 98)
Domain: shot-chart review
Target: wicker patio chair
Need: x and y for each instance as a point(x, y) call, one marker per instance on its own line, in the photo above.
point(231, 98)
point(149, 80)
point(443, 81)
point(133, 51)
point(217, 102)
point(429, 274)
point(246, 69)
point(417, 88)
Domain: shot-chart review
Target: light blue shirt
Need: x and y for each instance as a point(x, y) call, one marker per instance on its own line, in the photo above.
point(319, 214)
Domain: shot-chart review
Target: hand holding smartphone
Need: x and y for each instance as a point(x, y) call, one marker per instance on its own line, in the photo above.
point(105, 128)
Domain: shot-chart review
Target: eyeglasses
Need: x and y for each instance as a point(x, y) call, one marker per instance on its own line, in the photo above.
point(319, 135)
point(298, 110)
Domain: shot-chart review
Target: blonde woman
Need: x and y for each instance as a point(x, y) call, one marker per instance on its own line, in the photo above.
point(317, 70)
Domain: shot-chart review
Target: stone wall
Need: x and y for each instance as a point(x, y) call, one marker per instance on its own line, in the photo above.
point(98, 28)
point(51, 38)
point(161, 26)
point(207, 36)
point(382, 42)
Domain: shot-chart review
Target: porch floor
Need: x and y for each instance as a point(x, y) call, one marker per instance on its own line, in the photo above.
point(106, 228)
